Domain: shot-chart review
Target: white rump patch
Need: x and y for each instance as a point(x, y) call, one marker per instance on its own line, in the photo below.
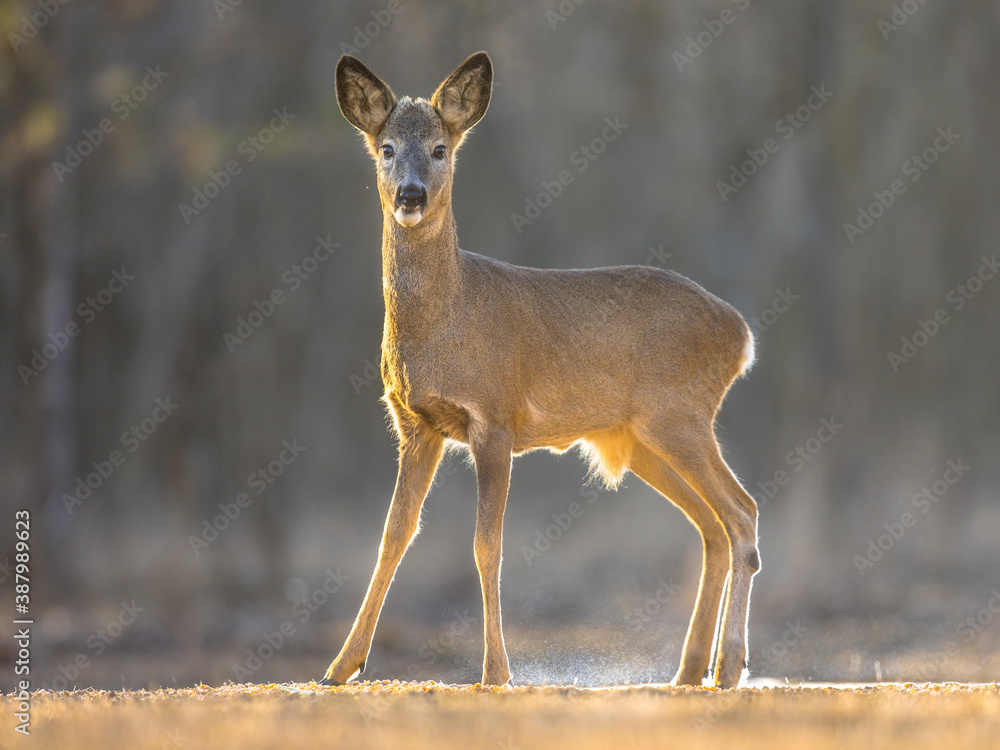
point(749, 354)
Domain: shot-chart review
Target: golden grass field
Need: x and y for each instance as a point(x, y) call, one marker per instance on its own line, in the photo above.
point(434, 715)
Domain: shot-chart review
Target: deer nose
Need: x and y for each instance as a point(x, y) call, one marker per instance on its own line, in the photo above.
point(411, 196)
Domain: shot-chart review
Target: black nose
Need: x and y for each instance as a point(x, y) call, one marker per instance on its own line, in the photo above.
point(411, 196)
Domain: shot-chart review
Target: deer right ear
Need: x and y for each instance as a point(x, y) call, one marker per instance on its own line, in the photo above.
point(364, 98)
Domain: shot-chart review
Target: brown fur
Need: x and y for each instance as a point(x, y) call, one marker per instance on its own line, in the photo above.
point(630, 363)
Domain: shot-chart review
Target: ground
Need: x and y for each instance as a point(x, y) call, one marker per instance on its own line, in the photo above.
point(419, 715)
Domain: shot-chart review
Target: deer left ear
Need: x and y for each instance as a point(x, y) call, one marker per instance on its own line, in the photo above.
point(464, 97)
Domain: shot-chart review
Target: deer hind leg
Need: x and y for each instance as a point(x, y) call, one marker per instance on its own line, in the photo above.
point(690, 448)
point(420, 451)
point(492, 456)
point(658, 474)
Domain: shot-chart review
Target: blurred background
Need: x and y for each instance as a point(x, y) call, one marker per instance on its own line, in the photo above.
point(191, 312)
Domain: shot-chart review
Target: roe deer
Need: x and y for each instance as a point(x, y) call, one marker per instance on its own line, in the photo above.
point(505, 359)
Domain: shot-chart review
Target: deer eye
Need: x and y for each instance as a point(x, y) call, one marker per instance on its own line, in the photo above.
point(387, 151)
point(439, 152)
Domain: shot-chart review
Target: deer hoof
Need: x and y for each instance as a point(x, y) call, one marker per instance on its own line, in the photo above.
point(329, 679)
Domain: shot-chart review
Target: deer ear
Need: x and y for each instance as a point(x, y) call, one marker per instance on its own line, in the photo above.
point(364, 98)
point(464, 96)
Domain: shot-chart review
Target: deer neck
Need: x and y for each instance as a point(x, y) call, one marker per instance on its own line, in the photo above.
point(420, 272)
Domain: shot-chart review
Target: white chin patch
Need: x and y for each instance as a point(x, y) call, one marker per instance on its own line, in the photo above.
point(408, 218)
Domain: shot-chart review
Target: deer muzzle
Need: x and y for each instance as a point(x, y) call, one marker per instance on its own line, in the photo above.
point(411, 200)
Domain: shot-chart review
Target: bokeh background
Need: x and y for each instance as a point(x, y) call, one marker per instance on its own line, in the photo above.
point(863, 577)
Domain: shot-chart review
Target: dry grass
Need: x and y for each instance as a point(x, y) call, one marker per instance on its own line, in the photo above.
point(433, 715)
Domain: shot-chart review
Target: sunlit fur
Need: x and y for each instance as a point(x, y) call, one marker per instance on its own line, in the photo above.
point(630, 364)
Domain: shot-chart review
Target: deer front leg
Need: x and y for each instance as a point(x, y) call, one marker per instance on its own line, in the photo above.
point(492, 457)
point(419, 453)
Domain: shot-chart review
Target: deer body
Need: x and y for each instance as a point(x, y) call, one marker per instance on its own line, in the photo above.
point(490, 355)
point(631, 362)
